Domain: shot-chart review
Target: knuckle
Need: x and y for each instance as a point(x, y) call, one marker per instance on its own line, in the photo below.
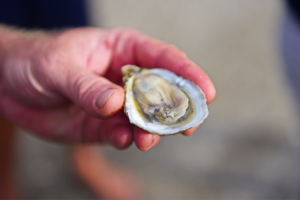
point(83, 85)
point(49, 57)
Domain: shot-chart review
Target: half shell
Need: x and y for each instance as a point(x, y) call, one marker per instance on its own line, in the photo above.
point(160, 102)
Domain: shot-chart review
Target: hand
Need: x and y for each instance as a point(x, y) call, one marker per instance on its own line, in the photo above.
point(67, 86)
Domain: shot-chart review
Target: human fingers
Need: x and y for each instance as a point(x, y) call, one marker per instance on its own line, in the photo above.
point(62, 124)
point(96, 95)
point(153, 53)
point(116, 131)
point(78, 79)
point(132, 47)
point(144, 140)
point(44, 70)
point(69, 124)
point(190, 131)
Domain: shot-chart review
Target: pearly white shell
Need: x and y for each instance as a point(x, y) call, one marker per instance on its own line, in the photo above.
point(193, 91)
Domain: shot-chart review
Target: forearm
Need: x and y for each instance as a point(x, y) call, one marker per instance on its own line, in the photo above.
point(7, 36)
point(12, 40)
point(7, 33)
point(18, 48)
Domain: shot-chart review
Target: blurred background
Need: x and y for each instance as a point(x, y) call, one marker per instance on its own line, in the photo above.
point(248, 146)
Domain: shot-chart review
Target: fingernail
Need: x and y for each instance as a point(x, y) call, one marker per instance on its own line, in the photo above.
point(103, 96)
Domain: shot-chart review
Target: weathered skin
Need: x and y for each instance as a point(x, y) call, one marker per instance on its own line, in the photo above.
point(50, 82)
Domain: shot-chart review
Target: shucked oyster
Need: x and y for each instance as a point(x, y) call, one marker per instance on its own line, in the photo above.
point(161, 102)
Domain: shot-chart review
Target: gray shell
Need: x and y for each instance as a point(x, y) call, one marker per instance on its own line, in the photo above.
point(193, 91)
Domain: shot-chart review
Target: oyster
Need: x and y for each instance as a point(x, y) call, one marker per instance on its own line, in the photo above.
point(161, 102)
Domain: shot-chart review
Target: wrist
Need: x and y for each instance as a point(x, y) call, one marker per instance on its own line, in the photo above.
point(20, 44)
point(15, 41)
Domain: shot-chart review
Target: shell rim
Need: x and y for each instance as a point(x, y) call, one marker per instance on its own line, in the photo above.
point(203, 105)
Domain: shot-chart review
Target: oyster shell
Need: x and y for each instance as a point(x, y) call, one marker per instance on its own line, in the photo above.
point(161, 102)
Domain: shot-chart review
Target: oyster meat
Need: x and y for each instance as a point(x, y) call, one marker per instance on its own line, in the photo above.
point(161, 102)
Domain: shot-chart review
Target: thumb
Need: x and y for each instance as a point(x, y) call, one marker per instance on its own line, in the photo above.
point(96, 95)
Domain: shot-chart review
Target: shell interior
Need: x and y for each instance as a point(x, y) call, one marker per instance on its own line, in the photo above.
point(197, 102)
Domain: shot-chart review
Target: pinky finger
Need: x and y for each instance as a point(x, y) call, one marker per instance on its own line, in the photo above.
point(144, 140)
point(190, 131)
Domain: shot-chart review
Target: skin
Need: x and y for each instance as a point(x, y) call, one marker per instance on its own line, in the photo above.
point(50, 82)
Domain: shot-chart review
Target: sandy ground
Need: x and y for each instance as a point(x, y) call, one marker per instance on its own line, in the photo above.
point(246, 149)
